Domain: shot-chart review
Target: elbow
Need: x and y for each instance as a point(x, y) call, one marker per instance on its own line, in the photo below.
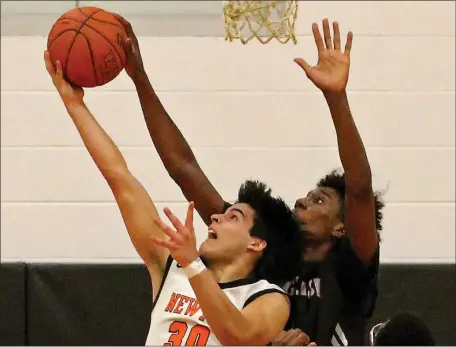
point(180, 171)
point(115, 176)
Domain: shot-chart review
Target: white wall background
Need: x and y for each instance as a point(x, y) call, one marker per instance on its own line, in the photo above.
point(247, 111)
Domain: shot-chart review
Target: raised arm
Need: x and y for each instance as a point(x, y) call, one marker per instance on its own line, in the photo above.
point(171, 145)
point(331, 76)
point(137, 209)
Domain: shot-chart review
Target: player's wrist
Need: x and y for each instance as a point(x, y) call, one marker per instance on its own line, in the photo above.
point(194, 268)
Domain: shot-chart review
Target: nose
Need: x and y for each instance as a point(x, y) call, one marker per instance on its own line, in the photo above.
point(301, 203)
point(215, 218)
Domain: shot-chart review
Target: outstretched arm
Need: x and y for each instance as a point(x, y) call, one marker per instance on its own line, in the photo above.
point(137, 209)
point(331, 76)
point(171, 145)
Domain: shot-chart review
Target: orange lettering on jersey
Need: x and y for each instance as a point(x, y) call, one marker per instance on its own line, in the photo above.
point(202, 319)
point(192, 308)
point(172, 302)
point(182, 300)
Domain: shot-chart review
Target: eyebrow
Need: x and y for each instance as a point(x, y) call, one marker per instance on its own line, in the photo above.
point(234, 209)
point(326, 193)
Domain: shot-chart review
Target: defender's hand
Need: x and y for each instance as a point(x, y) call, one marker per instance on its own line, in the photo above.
point(70, 95)
point(135, 66)
point(294, 337)
point(182, 241)
point(331, 72)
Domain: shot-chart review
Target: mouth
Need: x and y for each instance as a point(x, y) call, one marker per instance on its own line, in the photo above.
point(212, 234)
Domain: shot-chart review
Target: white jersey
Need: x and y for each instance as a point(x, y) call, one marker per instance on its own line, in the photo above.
point(177, 319)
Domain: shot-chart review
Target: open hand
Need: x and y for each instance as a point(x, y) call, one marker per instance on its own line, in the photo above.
point(134, 66)
point(70, 94)
point(182, 241)
point(331, 72)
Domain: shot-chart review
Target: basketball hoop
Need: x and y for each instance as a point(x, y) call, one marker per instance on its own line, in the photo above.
point(263, 20)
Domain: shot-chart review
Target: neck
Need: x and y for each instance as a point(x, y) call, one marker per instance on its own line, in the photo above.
point(224, 273)
point(316, 251)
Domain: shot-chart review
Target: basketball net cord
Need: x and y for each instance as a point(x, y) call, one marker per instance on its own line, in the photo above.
point(264, 20)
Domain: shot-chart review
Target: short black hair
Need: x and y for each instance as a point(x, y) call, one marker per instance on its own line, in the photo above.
point(404, 329)
point(336, 181)
point(276, 224)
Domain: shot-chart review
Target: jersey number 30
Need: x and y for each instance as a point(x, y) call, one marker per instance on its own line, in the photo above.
point(198, 336)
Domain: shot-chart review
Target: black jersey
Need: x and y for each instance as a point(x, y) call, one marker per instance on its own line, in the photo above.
point(332, 300)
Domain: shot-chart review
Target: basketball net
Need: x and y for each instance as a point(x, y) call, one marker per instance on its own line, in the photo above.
point(263, 20)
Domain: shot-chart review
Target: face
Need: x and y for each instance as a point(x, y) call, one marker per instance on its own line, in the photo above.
point(318, 213)
point(229, 235)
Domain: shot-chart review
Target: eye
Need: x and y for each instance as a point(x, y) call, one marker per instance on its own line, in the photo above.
point(234, 217)
point(319, 201)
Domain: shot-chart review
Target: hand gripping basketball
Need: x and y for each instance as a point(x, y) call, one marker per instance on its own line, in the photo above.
point(70, 95)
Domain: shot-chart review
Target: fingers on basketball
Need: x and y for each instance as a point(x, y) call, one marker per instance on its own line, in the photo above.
point(49, 66)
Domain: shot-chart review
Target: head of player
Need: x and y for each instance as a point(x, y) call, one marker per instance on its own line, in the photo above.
point(257, 237)
point(403, 329)
point(321, 212)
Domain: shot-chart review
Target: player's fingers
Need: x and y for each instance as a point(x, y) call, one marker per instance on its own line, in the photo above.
point(175, 221)
point(336, 33)
point(317, 37)
point(348, 45)
point(163, 243)
point(303, 64)
point(58, 69)
point(304, 339)
point(49, 66)
point(290, 336)
point(327, 34)
point(126, 24)
point(166, 229)
point(189, 218)
point(312, 344)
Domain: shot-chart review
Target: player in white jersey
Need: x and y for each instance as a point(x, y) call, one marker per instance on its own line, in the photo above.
point(251, 248)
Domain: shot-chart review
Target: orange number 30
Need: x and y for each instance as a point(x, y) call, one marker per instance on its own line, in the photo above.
point(198, 336)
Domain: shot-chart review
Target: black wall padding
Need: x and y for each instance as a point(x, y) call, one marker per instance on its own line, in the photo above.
point(109, 304)
point(427, 290)
point(12, 304)
point(88, 304)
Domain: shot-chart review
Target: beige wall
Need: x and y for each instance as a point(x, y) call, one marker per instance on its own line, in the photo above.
point(247, 111)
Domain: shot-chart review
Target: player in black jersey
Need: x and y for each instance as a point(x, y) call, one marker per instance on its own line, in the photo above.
point(334, 294)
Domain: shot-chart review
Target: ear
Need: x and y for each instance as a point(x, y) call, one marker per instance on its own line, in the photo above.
point(339, 230)
point(257, 245)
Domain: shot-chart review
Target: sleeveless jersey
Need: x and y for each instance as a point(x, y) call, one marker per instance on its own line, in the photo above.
point(177, 319)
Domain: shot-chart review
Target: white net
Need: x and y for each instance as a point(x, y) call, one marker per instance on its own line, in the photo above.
point(263, 20)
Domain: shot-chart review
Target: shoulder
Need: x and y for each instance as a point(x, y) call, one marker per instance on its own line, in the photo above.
point(261, 288)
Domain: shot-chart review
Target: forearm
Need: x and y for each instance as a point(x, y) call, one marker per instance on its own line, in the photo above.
point(171, 145)
point(227, 323)
point(351, 148)
point(100, 146)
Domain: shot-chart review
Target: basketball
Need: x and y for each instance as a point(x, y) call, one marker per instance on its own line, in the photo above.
point(88, 42)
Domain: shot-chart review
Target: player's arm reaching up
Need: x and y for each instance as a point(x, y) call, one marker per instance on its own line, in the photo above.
point(330, 75)
point(136, 207)
point(173, 149)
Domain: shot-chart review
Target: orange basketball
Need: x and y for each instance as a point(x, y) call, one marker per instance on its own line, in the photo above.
point(88, 42)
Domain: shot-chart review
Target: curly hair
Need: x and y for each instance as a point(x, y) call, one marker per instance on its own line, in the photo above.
point(336, 181)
